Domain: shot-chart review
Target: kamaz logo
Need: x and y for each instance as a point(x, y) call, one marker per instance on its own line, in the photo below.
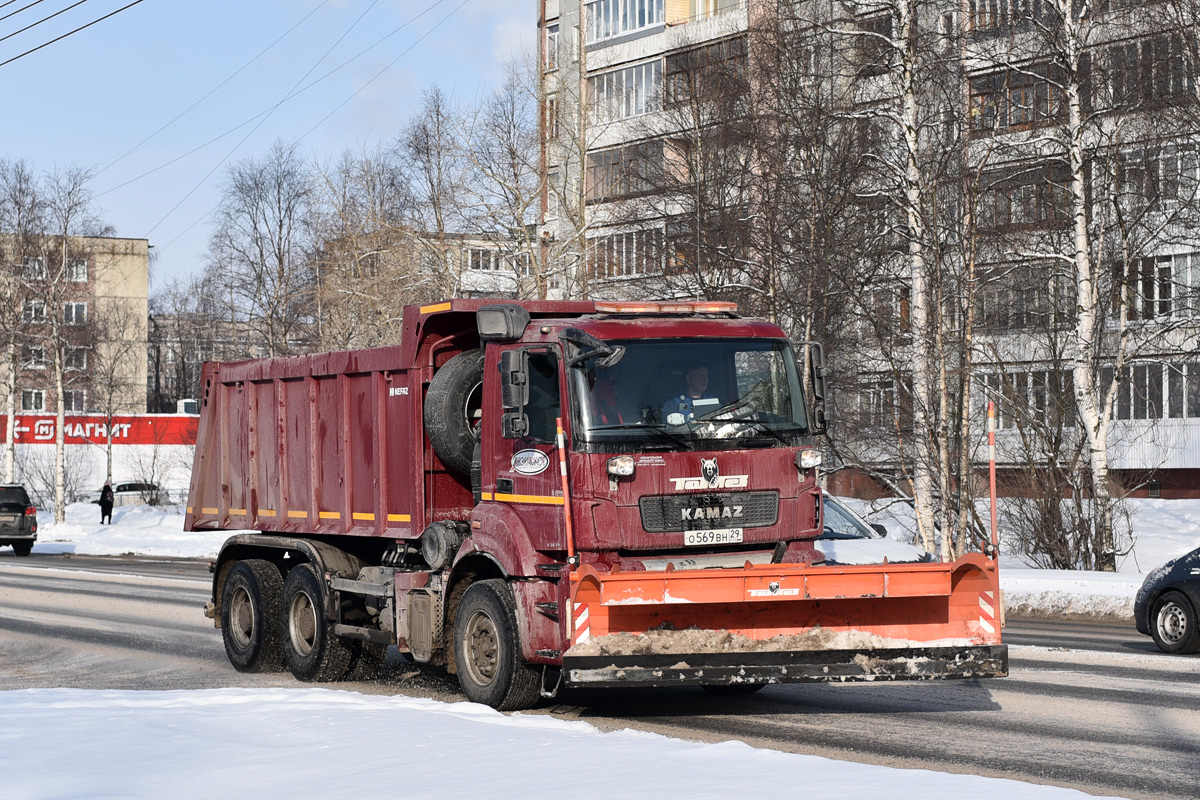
point(719, 482)
point(712, 512)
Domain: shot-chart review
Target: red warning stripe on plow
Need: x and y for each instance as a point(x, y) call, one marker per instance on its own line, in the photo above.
point(582, 624)
point(987, 611)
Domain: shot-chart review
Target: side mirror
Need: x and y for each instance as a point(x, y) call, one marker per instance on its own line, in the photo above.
point(514, 393)
point(514, 379)
point(817, 373)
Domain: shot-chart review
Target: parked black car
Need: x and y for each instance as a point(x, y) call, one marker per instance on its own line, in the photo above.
point(18, 519)
point(1166, 605)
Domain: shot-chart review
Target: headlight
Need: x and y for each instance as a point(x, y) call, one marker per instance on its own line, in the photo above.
point(808, 459)
point(621, 466)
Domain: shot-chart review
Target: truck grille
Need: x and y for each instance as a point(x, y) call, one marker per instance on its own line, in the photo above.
point(698, 512)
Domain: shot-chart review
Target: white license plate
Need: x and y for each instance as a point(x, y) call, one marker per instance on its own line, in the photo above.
point(719, 536)
point(8, 518)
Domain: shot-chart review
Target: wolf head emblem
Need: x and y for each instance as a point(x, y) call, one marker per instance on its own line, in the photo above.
point(710, 471)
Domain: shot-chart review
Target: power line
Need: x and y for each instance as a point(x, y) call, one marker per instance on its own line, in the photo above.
point(19, 10)
point(327, 116)
point(264, 119)
point(385, 69)
point(211, 92)
point(289, 96)
point(71, 33)
point(40, 21)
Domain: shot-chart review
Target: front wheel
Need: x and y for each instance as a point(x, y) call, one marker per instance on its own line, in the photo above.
point(310, 649)
point(487, 649)
point(1173, 624)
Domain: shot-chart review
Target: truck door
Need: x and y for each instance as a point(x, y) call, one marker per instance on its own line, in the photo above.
point(524, 468)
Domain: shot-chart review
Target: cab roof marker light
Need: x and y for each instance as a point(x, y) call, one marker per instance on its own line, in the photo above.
point(664, 307)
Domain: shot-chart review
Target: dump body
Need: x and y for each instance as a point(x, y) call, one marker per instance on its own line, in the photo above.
point(555, 481)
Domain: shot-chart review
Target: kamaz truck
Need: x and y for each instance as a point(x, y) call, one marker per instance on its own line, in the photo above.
point(540, 495)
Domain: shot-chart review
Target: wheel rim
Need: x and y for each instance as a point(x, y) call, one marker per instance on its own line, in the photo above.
point(1172, 623)
point(302, 624)
point(241, 618)
point(483, 648)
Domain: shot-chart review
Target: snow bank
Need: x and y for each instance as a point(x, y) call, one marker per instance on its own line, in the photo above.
point(146, 530)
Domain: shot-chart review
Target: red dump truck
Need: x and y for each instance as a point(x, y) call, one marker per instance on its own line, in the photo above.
point(551, 494)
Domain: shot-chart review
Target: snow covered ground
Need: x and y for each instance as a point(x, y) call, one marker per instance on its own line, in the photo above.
point(96, 745)
point(65, 743)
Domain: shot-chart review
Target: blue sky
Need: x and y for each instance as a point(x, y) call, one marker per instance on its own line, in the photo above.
point(94, 97)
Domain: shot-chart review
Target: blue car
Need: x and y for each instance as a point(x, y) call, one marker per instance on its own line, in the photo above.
point(1166, 605)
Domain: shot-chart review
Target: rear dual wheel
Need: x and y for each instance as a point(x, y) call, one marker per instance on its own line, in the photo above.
point(249, 616)
point(310, 649)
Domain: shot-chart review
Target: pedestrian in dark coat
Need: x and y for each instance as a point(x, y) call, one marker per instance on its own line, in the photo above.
point(106, 503)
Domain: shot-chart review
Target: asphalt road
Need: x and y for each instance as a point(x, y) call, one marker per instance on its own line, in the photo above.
point(1087, 705)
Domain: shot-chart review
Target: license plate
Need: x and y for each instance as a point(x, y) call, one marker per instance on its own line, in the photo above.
point(719, 536)
point(8, 517)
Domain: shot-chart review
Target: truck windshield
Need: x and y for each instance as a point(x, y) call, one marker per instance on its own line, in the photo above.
point(691, 394)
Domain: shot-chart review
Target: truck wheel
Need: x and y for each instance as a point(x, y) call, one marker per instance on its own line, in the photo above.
point(454, 410)
point(249, 616)
point(310, 649)
point(1173, 624)
point(487, 649)
point(22, 548)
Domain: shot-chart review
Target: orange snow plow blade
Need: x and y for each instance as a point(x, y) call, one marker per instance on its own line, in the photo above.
point(774, 623)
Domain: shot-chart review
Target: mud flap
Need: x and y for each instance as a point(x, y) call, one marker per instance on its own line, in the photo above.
point(795, 666)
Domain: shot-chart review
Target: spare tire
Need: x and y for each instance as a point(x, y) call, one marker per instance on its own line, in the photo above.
point(454, 410)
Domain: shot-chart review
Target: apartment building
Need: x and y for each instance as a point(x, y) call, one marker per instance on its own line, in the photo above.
point(81, 304)
point(995, 114)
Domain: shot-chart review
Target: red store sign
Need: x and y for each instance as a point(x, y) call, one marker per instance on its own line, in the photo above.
point(169, 429)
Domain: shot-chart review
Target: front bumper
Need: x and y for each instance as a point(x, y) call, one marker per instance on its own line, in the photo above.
point(795, 666)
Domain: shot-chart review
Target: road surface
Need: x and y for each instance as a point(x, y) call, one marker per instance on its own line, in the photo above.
point(1087, 705)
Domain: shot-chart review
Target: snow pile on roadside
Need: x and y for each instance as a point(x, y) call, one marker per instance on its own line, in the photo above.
point(150, 744)
point(146, 530)
point(1162, 530)
point(1038, 592)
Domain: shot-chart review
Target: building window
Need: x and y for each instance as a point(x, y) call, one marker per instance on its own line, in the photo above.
point(482, 259)
point(990, 15)
point(706, 72)
point(74, 400)
point(884, 402)
point(1160, 287)
point(75, 313)
point(77, 270)
point(34, 311)
point(1159, 177)
point(624, 171)
point(33, 400)
point(1037, 397)
point(874, 52)
point(33, 269)
point(33, 357)
point(1150, 71)
point(75, 358)
point(626, 93)
point(552, 194)
point(629, 254)
point(551, 47)
point(605, 19)
point(1020, 297)
point(1032, 198)
point(552, 116)
point(1016, 98)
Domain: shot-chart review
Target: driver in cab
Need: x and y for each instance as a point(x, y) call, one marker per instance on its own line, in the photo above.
point(694, 402)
